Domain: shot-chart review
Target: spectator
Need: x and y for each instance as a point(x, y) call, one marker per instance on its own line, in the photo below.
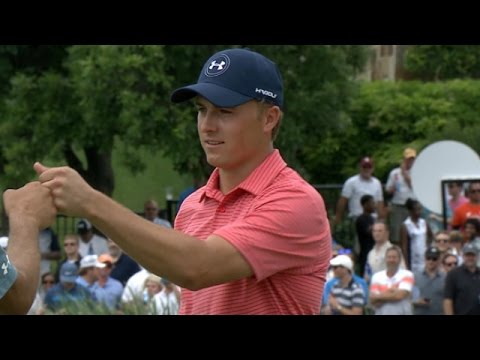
point(390, 289)
point(462, 287)
point(399, 184)
point(90, 243)
point(429, 285)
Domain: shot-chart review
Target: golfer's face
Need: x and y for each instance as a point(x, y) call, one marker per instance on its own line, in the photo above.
point(231, 137)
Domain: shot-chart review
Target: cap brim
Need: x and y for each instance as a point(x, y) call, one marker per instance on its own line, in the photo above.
point(217, 95)
point(100, 265)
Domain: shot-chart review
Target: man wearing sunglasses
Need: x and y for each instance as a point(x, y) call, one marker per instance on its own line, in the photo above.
point(429, 284)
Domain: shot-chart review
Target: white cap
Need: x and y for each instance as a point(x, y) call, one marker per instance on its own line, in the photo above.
point(3, 242)
point(342, 260)
point(90, 261)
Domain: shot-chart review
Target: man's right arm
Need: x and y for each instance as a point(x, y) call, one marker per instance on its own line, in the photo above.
point(181, 258)
point(390, 186)
point(29, 210)
point(449, 294)
point(447, 306)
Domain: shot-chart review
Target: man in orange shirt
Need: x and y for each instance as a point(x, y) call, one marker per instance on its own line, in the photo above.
point(471, 209)
point(256, 238)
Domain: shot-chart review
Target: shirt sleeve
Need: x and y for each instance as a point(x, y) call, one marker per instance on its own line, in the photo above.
point(379, 193)
point(375, 285)
point(391, 179)
point(407, 282)
point(347, 190)
point(8, 273)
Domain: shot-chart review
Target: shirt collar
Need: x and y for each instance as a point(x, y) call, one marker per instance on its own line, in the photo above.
point(255, 183)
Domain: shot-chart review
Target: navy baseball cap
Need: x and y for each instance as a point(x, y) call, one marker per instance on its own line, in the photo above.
point(68, 272)
point(233, 77)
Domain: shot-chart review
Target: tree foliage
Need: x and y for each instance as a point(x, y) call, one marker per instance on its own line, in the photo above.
point(72, 103)
point(443, 62)
point(386, 117)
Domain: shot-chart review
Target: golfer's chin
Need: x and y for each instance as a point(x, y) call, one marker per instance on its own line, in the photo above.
point(214, 160)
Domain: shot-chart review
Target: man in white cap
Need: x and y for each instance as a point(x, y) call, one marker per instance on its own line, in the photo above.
point(346, 297)
point(87, 274)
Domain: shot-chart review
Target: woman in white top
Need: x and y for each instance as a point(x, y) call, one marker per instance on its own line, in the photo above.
point(415, 236)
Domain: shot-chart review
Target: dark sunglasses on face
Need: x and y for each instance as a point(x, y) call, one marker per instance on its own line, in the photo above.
point(451, 263)
point(432, 258)
point(473, 191)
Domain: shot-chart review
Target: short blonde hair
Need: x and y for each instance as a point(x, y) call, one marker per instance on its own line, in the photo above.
point(154, 279)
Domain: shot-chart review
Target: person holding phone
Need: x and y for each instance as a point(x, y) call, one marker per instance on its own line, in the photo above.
point(429, 284)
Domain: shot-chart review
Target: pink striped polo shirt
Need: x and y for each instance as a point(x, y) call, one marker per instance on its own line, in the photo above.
point(278, 222)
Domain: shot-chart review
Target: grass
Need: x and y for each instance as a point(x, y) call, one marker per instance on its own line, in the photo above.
point(159, 176)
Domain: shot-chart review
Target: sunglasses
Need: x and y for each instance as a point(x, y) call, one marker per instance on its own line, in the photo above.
point(473, 191)
point(451, 264)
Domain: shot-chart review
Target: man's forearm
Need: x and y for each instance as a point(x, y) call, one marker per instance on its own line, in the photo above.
point(169, 253)
point(342, 203)
point(391, 295)
point(24, 254)
point(448, 307)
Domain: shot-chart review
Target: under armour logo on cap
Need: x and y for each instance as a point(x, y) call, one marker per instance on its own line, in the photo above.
point(218, 66)
point(233, 77)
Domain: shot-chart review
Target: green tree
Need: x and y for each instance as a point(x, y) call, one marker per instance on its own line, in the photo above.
point(100, 93)
point(74, 111)
point(443, 62)
point(386, 117)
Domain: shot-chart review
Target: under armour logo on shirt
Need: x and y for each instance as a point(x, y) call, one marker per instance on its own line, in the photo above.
point(5, 268)
point(219, 66)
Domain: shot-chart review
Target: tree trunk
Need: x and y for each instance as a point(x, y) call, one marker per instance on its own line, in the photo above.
point(99, 171)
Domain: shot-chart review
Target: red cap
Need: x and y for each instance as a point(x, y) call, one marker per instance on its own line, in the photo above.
point(366, 161)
